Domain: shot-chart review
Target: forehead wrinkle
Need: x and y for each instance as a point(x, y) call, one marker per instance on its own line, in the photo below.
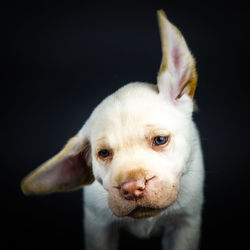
point(156, 128)
point(101, 139)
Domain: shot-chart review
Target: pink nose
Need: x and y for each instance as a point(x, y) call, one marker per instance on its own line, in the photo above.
point(133, 190)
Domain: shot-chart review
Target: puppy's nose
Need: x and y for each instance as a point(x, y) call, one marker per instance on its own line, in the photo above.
point(133, 190)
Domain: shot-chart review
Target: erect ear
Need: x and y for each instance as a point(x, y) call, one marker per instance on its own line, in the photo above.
point(70, 169)
point(177, 75)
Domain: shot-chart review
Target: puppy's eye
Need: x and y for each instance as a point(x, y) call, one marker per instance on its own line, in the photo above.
point(104, 153)
point(160, 140)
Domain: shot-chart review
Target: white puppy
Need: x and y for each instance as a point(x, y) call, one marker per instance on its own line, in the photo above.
point(140, 152)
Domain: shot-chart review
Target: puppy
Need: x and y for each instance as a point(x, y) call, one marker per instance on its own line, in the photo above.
point(141, 153)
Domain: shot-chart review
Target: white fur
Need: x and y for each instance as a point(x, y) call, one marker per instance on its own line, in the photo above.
point(181, 221)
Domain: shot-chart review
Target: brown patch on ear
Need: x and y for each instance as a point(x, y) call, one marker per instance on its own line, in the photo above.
point(131, 174)
point(190, 85)
point(66, 171)
point(192, 82)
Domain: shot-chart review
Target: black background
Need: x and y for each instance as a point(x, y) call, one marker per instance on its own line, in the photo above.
point(59, 60)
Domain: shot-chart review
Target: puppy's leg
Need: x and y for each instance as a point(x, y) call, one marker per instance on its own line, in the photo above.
point(99, 236)
point(183, 237)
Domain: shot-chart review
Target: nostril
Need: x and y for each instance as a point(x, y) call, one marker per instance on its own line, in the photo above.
point(138, 193)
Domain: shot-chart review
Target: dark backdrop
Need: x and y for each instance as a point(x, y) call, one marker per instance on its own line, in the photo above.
point(61, 59)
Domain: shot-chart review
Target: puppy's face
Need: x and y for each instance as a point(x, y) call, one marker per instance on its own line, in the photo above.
point(136, 143)
point(139, 149)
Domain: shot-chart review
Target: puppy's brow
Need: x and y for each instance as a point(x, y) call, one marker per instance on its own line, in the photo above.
point(102, 139)
point(154, 129)
point(149, 125)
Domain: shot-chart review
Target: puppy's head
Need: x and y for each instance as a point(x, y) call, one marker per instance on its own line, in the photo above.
point(136, 143)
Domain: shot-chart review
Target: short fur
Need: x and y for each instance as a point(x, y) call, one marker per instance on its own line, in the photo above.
point(126, 124)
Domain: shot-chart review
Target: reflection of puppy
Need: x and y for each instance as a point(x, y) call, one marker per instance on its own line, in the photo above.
point(140, 152)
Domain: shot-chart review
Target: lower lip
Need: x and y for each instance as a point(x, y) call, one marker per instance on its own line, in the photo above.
point(144, 212)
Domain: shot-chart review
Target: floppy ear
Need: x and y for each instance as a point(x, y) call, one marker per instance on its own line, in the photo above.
point(70, 169)
point(177, 75)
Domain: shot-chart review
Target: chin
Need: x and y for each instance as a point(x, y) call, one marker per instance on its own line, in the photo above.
point(144, 212)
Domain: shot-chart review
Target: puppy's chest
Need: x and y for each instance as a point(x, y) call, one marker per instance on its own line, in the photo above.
point(147, 228)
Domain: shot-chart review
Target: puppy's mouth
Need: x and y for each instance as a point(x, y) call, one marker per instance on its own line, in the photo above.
point(144, 212)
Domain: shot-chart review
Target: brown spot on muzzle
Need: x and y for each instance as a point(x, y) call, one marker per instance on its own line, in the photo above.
point(132, 174)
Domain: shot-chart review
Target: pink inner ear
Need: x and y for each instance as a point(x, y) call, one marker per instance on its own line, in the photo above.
point(181, 74)
point(176, 58)
point(182, 84)
point(71, 169)
point(69, 172)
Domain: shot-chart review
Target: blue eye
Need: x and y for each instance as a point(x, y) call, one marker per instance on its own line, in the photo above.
point(104, 153)
point(160, 140)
